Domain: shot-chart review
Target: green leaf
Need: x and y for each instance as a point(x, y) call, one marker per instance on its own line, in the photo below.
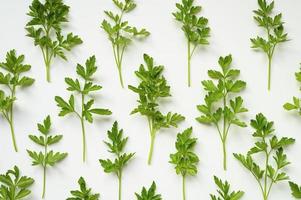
point(296, 190)
point(149, 194)
point(83, 193)
point(100, 111)
point(224, 191)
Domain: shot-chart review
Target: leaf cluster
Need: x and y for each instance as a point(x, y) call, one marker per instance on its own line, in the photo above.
point(120, 33)
point(13, 186)
point(295, 105)
point(185, 160)
point(224, 192)
point(116, 146)
point(14, 67)
point(83, 193)
point(5, 104)
point(195, 28)
point(45, 27)
point(272, 25)
point(269, 145)
point(45, 140)
point(296, 190)
point(85, 88)
point(153, 86)
point(226, 84)
point(149, 194)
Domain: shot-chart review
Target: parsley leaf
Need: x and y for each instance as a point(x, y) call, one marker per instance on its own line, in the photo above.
point(13, 186)
point(271, 147)
point(296, 190)
point(12, 78)
point(224, 191)
point(194, 27)
point(273, 26)
point(153, 86)
point(185, 160)
point(45, 28)
point(83, 193)
point(83, 89)
point(149, 194)
point(116, 146)
point(221, 92)
point(295, 105)
point(120, 33)
point(45, 158)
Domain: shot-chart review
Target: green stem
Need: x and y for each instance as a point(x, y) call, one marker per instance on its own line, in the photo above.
point(188, 60)
point(269, 73)
point(44, 172)
point(225, 154)
point(120, 76)
point(183, 187)
point(119, 184)
point(83, 129)
point(11, 119)
point(150, 154)
point(48, 72)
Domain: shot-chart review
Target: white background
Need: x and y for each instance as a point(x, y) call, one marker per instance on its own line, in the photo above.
point(232, 25)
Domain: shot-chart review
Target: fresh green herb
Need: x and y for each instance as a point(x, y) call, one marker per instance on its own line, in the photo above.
point(271, 147)
point(13, 186)
point(222, 92)
point(83, 89)
point(224, 192)
point(83, 193)
point(296, 101)
point(152, 87)
point(185, 160)
point(116, 146)
point(120, 33)
point(296, 190)
point(46, 158)
point(149, 194)
point(45, 27)
point(12, 80)
point(195, 28)
point(274, 30)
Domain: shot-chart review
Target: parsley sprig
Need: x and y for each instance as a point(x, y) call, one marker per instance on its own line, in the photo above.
point(268, 144)
point(152, 87)
point(13, 186)
point(185, 160)
point(45, 158)
point(149, 194)
point(273, 26)
point(45, 27)
point(120, 33)
point(116, 146)
point(194, 27)
point(83, 89)
point(222, 92)
point(13, 79)
point(83, 193)
point(224, 192)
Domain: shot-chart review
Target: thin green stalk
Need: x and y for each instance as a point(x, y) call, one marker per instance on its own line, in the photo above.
point(11, 119)
point(83, 129)
point(188, 60)
point(119, 184)
point(150, 154)
point(44, 173)
point(224, 137)
point(225, 154)
point(269, 73)
point(183, 187)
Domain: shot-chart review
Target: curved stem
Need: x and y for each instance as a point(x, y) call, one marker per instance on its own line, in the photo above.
point(188, 62)
point(183, 187)
point(151, 149)
point(11, 125)
point(11, 119)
